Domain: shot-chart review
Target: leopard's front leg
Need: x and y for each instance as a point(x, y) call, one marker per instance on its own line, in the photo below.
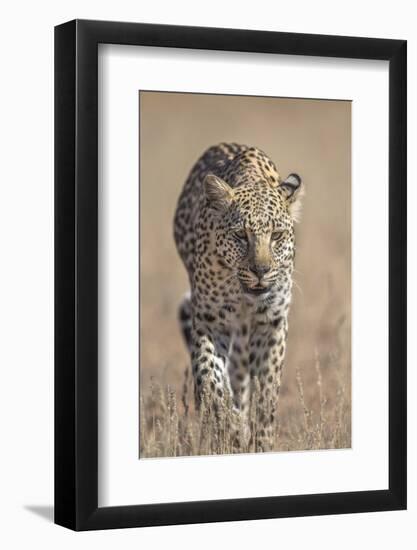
point(209, 366)
point(210, 362)
point(239, 369)
point(266, 359)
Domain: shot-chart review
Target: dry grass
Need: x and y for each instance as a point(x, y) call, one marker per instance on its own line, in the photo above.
point(172, 427)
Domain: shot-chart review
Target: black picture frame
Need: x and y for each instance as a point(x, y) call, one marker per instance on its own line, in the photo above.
point(76, 272)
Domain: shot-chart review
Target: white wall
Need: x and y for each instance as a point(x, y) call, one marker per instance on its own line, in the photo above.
point(26, 289)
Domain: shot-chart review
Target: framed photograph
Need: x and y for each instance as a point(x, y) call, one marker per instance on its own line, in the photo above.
point(230, 254)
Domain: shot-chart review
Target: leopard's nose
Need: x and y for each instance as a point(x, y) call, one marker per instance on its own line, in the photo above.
point(260, 270)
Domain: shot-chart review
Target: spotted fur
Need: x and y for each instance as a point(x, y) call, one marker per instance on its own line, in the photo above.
point(234, 230)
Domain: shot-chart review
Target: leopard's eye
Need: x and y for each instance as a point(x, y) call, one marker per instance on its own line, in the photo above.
point(240, 235)
point(277, 236)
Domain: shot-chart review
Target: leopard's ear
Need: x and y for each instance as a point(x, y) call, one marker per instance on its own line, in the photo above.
point(292, 189)
point(218, 193)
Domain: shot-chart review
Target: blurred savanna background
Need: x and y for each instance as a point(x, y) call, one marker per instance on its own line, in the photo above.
point(311, 138)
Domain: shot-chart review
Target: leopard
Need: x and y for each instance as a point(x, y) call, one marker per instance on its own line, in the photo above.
point(234, 229)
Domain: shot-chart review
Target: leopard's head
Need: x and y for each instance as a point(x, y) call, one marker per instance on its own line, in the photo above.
point(254, 230)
